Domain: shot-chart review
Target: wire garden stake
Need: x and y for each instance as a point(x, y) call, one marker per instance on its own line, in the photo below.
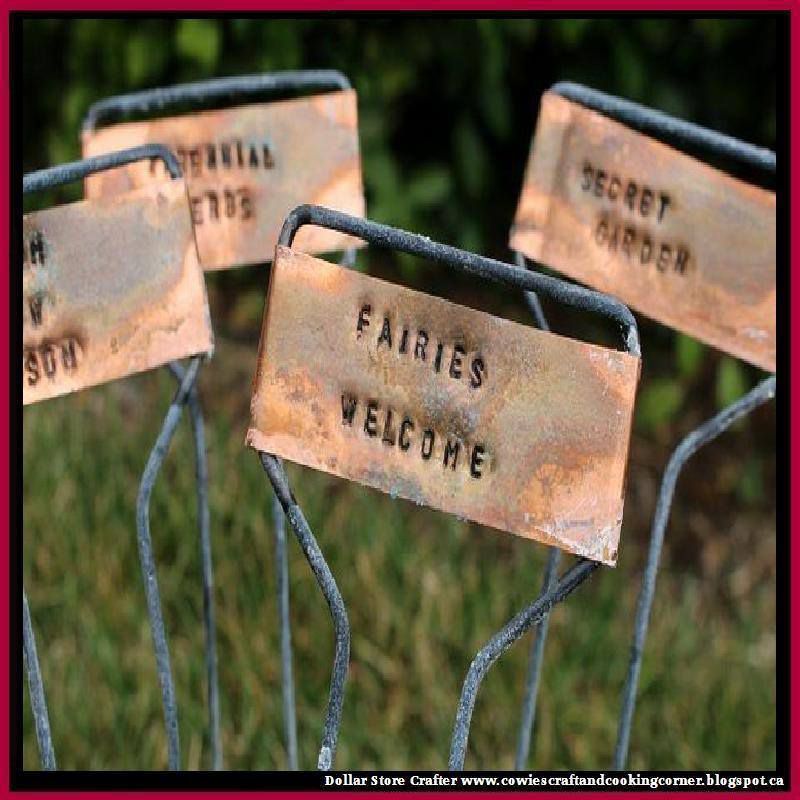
point(664, 127)
point(735, 157)
point(212, 95)
point(535, 667)
point(247, 162)
point(282, 584)
point(34, 182)
point(548, 582)
point(694, 137)
point(538, 614)
point(209, 624)
point(699, 437)
point(41, 720)
point(341, 624)
point(217, 90)
point(186, 393)
point(535, 613)
point(144, 540)
point(279, 513)
point(488, 269)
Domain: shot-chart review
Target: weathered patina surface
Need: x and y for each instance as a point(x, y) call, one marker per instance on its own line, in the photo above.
point(247, 168)
point(443, 405)
point(672, 237)
point(109, 288)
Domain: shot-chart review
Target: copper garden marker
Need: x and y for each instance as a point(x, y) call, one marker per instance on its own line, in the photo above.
point(670, 236)
point(478, 416)
point(246, 168)
point(110, 288)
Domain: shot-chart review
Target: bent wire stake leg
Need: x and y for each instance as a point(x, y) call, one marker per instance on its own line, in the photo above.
point(488, 269)
point(35, 182)
point(287, 678)
point(207, 565)
point(506, 637)
point(154, 462)
point(548, 582)
point(499, 643)
point(205, 93)
point(341, 660)
point(41, 720)
point(535, 666)
point(699, 437)
point(282, 584)
point(735, 153)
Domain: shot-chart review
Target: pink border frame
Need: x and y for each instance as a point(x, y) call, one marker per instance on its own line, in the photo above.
point(219, 6)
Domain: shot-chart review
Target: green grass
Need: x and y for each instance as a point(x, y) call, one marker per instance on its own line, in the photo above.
point(424, 592)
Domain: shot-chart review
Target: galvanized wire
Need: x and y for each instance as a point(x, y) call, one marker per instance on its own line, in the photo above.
point(532, 299)
point(284, 611)
point(147, 560)
point(327, 583)
point(209, 93)
point(506, 637)
point(41, 720)
point(699, 437)
point(535, 666)
point(499, 643)
point(77, 170)
point(287, 679)
point(207, 566)
point(666, 127)
point(39, 181)
point(712, 144)
point(230, 89)
point(550, 576)
point(470, 263)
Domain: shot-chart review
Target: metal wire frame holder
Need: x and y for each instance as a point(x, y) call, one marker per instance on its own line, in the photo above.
point(44, 739)
point(698, 140)
point(202, 94)
point(186, 393)
point(488, 269)
point(216, 90)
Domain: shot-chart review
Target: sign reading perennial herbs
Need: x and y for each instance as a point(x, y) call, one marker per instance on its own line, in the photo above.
point(246, 168)
point(443, 405)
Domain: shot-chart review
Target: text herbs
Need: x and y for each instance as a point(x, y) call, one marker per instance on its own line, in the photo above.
point(216, 161)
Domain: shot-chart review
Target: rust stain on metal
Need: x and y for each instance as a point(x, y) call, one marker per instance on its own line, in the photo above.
point(443, 405)
point(247, 168)
point(672, 237)
point(110, 288)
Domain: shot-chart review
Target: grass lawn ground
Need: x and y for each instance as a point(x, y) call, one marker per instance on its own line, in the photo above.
point(424, 592)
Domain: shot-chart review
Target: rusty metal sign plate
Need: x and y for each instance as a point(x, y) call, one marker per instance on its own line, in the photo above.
point(110, 288)
point(672, 237)
point(247, 168)
point(443, 405)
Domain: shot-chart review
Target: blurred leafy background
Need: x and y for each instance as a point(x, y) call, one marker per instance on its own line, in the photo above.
point(447, 108)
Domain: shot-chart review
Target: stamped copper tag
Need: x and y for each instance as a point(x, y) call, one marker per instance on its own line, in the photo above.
point(247, 168)
point(109, 288)
point(672, 237)
point(450, 407)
